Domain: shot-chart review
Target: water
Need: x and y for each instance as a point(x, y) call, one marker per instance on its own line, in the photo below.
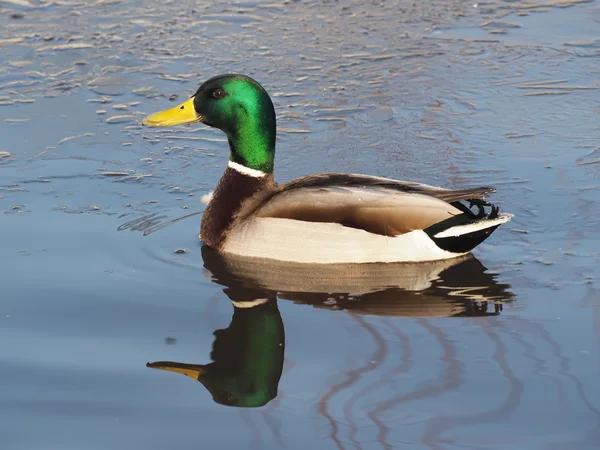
point(496, 351)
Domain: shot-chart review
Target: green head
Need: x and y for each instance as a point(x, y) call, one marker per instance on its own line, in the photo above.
point(240, 107)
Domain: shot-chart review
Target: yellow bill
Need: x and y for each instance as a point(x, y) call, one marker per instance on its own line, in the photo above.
point(184, 113)
point(194, 371)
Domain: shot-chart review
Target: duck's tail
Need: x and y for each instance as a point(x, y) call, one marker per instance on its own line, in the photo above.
point(464, 237)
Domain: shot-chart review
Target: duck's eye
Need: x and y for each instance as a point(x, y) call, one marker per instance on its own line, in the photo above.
point(218, 93)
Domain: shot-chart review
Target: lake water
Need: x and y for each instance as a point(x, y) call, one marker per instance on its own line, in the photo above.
point(496, 351)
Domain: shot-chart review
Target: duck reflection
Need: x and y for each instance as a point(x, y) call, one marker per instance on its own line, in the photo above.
point(455, 287)
point(248, 355)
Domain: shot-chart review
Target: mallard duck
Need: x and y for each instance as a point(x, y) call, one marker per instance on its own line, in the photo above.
point(323, 218)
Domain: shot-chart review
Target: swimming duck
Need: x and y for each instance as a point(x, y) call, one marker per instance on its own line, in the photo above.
point(323, 218)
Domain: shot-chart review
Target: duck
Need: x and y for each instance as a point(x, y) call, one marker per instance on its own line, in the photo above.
point(329, 218)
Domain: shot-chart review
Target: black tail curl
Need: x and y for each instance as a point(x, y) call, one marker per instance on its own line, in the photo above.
point(480, 212)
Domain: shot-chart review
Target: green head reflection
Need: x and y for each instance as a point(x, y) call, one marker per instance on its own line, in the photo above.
point(247, 356)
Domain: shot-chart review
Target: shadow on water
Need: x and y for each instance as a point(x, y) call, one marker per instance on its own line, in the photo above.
point(248, 356)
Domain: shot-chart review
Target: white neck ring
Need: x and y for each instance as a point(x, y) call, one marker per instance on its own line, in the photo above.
point(246, 170)
point(250, 303)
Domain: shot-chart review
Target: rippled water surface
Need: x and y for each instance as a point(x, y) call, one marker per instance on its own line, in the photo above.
point(499, 350)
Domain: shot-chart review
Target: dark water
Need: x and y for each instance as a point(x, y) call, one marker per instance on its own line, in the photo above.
point(496, 351)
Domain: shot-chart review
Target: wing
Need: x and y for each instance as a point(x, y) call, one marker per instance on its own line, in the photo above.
point(350, 180)
point(377, 205)
point(380, 211)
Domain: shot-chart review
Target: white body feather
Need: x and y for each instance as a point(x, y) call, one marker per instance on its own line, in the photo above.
point(327, 243)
